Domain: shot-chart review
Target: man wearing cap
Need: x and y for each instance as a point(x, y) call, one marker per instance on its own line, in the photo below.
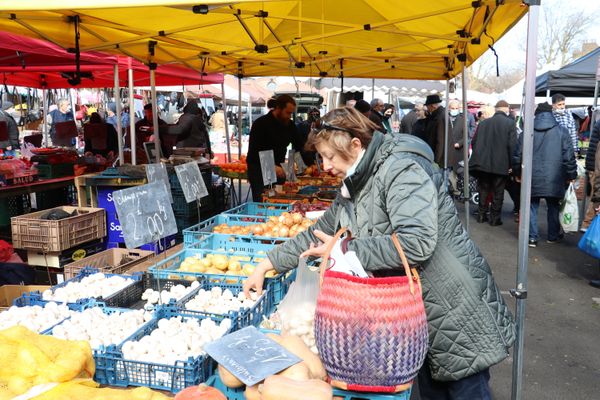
point(493, 147)
point(435, 127)
point(9, 146)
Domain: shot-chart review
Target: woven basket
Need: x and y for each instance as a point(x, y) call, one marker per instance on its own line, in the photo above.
point(371, 333)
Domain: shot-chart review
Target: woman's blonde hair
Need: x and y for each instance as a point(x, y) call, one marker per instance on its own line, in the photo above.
point(338, 127)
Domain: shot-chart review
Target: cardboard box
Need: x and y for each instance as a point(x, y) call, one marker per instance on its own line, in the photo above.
point(10, 292)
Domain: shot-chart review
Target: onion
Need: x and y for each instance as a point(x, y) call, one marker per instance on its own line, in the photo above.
point(297, 218)
point(284, 232)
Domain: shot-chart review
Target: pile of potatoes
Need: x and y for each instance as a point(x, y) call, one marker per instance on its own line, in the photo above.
point(221, 264)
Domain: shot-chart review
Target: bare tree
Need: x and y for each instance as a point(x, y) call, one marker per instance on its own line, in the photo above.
point(561, 32)
point(482, 75)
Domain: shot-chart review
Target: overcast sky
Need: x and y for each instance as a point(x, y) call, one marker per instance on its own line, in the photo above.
point(510, 54)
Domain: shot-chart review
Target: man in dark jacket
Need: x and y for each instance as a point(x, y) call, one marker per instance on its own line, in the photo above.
point(435, 127)
point(12, 131)
point(455, 140)
point(376, 114)
point(590, 161)
point(493, 148)
point(190, 129)
point(553, 166)
point(410, 119)
point(273, 131)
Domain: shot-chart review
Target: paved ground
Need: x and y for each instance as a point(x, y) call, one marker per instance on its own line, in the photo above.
point(562, 327)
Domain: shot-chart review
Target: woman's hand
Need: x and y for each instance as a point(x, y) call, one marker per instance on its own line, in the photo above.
point(318, 250)
point(256, 280)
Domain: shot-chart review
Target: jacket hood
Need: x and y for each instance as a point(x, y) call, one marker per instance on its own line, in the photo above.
point(381, 147)
point(544, 122)
point(191, 108)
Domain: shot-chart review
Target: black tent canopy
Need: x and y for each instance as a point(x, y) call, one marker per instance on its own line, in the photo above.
point(576, 79)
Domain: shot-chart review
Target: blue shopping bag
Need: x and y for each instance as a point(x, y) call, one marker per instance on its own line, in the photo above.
point(590, 241)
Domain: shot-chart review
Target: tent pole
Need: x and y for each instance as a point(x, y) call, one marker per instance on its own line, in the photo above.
point(520, 293)
point(117, 96)
point(155, 115)
point(226, 125)
point(548, 95)
point(592, 122)
point(132, 132)
point(45, 113)
point(372, 88)
point(467, 194)
point(240, 129)
point(446, 124)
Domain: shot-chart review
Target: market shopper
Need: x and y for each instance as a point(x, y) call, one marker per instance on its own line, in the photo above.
point(10, 145)
point(376, 114)
point(554, 167)
point(434, 127)
point(410, 119)
point(390, 185)
point(60, 114)
point(273, 131)
point(144, 128)
point(100, 137)
point(565, 119)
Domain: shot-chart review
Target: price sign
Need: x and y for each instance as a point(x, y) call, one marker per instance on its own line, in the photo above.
point(267, 166)
point(191, 181)
point(250, 356)
point(158, 173)
point(145, 214)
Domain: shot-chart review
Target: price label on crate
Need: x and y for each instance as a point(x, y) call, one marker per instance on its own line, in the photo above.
point(191, 181)
point(267, 166)
point(145, 214)
point(158, 173)
point(250, 355)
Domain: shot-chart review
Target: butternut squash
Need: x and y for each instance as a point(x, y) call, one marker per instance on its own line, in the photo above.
point(297, 372)
point(281, 388)
point(252, 393)
point(228, 378)
point(296, 346)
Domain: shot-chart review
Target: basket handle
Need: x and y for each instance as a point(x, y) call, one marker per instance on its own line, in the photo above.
point(325, 258)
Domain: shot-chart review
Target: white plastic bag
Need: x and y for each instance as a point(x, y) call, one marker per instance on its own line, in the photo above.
point(569, 211)
point(297, 309)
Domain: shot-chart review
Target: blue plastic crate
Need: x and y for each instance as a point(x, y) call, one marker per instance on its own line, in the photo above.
point(115, 299)
point(113, 369)
point(348, 395)
point(238, 394)
point(258, 209)
point(231, 394)
point(244, 317)
point(199, 231)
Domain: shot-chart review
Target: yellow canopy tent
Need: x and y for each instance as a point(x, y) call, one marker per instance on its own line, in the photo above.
point(358, 38)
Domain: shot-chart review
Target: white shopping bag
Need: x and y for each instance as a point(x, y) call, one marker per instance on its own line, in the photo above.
point(569, 211)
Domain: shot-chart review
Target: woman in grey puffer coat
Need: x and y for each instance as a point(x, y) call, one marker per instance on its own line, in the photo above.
point(390, 185)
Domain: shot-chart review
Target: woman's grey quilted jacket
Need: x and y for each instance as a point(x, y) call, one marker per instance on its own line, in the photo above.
point(396, 188)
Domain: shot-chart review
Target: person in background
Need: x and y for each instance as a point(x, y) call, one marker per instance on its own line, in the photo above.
point(590, 170)
point(554, 167)
point(595, 200)
point(493, 149)
point(189, 131)
point(273, 131)
point(304, 128)
point(9, 146)
point(111, 114)
point(435, 127)
point(60, 114)
point(363, 107)
point(144, 127)
point(565, 119)
point(418, 128)
point(217, 120)
point(110, 144)
point(455, 141)
point(388, 111)
point(376, 114)
point(390, 185)
point(409, 120)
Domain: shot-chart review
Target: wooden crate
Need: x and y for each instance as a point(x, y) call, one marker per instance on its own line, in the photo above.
point(32, 233)
point(109, 261)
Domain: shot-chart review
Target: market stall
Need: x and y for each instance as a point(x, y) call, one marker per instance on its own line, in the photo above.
point(423, 56)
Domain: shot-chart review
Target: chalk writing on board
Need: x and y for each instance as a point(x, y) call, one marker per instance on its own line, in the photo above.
point(158, 173)
point(250, 356)
point(145, 214)
point(191, 181)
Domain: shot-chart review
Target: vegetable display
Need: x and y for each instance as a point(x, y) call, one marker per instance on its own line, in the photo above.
point(95, 285)
point(285, 225)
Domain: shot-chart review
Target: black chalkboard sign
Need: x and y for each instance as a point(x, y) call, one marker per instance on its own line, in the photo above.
point(145, 214)
point(250, 356)
point(191, 181)
point(158, 173)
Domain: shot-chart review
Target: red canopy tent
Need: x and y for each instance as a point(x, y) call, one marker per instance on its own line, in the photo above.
point(36, 63)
